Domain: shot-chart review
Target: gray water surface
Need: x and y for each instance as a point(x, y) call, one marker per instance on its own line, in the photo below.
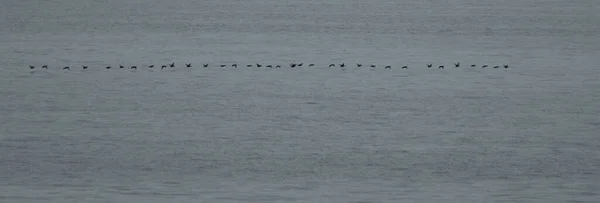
point(524, 134)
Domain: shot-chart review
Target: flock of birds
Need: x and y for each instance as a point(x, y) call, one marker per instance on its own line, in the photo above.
point(291, 65)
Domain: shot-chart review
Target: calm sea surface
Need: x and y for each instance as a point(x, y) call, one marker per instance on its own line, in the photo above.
point(529, 133)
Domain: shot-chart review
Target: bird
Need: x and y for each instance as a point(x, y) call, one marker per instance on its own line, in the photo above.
point(311, 65)
point(205, 65)
point(84, 67)
point(234, 65)
point(342, 65)
point(277, 66)
point(429, 65)
point(373, 66)
point(300, 64)
point(358, 65)
point(331, 65)
point(249, 66)
point(440, 67)
point(172, 65)
point(388, 67)
point(133, 67)
point(66, 68)
point(31, 67)
point(269, 66)
point(223, 65)
point(404, 67)
point(151, 66)
point(163, 67)
point(292, 65)
point(121, 66)
point(258, 65)
point(496, 66)
point(189, 65)
point(505, 66)
point(484, 66)
point(108, 67)
point(45, 67)
point(457, 64)
point(473, 65)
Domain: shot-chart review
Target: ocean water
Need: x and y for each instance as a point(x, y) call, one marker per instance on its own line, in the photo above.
point(528, 133)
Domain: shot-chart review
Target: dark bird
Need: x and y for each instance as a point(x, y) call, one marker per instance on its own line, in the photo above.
point(31, 67)
point(172, 65)
point(277, 66)
point(473, 65)
point(484, 66)
point(457, 65)
point(373, 66)
point(121, 66)
point(429, 65)
point(358, 65)
point(133, 67)
point(440, 67)
point(189, 65)
point(151, 66)
point(388, 67)
point(66, 68)
point(496, 66)
point(404, 67)
point(269, 66)
point(331, 65)
point(163, 67)
point(311, 65)
point(249, 66)
point(258, 65)
point(505, 66)
point(108, 67)
point(342, 65)
point(292, 65)
point(45, 67)
point(84, 67)
point(234, 65)
point(205, 65)
point(223, 65)
point(300, 64)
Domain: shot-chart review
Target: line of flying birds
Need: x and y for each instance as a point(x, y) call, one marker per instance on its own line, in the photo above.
point(291, 65)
